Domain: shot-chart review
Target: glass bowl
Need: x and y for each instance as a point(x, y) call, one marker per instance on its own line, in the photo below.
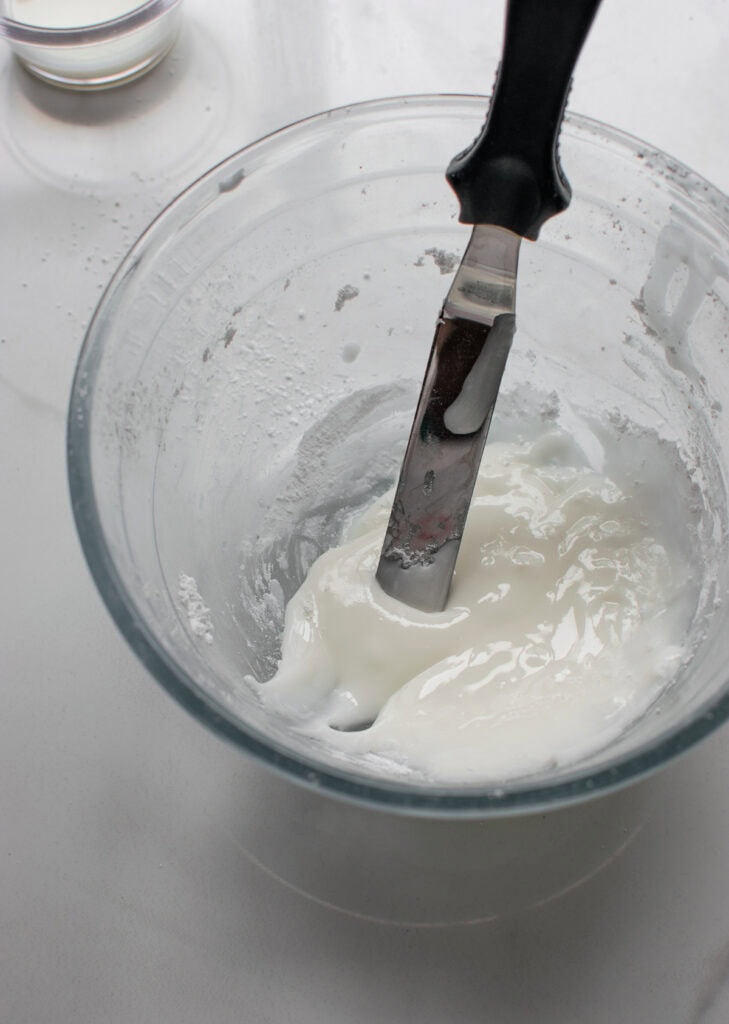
point(69, 45)
point(248, 380)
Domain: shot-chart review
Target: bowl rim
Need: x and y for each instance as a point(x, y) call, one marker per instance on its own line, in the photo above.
point(435, 801)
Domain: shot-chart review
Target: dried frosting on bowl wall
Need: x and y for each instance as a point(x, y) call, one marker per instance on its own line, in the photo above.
point(560, 629)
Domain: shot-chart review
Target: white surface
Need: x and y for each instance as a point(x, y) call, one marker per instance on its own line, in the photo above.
point(125, 895)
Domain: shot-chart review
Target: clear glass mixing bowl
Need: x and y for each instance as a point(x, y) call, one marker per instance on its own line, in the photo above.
point(248, 380)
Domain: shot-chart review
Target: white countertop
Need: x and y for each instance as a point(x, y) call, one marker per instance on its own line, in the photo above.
point(125, 895)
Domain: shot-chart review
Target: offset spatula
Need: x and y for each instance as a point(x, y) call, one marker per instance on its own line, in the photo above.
point(508, 182)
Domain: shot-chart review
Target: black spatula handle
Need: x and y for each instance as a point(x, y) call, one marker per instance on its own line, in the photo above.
point(511, 175)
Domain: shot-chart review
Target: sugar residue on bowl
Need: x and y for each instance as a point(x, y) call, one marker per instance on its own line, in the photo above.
point(345, 294)
point(198, 614)
point(444, 260)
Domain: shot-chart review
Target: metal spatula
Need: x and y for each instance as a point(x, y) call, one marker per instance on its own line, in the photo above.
point(508, 182)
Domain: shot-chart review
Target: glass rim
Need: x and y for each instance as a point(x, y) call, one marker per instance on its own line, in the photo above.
point(518, 796)
point(47, 35)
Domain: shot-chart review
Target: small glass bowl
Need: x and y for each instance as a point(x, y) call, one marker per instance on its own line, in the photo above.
point(289, 296)
point(66, 45)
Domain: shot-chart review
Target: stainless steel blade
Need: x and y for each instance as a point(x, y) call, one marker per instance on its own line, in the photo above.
point(467, 360)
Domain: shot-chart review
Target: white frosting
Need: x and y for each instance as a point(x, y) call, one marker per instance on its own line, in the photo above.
point(560, 630)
